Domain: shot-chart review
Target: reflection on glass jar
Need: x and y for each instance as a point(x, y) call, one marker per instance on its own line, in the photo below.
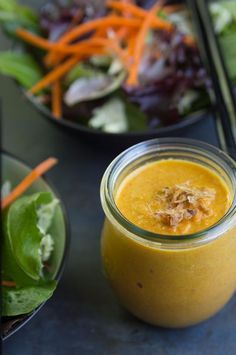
point(169, 280)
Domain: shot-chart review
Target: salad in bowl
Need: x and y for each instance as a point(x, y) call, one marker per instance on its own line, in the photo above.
point(115, 66)
point(35, 241)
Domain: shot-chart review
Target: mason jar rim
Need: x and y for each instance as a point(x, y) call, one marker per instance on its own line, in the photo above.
point(159, 145)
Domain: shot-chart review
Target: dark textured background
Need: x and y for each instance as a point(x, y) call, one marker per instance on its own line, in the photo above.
point(83, 317)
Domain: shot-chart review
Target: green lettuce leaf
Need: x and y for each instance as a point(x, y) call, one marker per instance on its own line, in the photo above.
point(81, 70)
point(21, 67)
point(22, 247)
point(16, 301)
point(13, 15)
point(228, 45)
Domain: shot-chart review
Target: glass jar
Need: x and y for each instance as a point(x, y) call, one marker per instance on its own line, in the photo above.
point(170, 281)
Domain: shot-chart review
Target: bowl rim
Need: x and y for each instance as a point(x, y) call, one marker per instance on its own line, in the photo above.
point(65, 255)
point(189, 120)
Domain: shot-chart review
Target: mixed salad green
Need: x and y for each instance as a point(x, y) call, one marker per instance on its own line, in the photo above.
point(27, 247)
point(224, 17)
point(125, 79)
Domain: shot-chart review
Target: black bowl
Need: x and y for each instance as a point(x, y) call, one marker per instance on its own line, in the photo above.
point(120, 140)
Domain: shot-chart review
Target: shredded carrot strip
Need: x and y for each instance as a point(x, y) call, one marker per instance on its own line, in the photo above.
point(76, 32)
point(105, 42)
point(127, 13)
point(169, 9)
point(87, 51)
point(137, 11)
point(34, 39)
point(8, 283)
point(42, 43)
point(60, 71)
point(157, 23)
point(140, 42)
point(189, 40)
point(28, 181)
point(96, 46)
point(130, 50)
point(54, 75)
point(122, 33)
point(127, 7)
point(81, 30)
point(63, 68)
point(56, 99)
point(87, 27)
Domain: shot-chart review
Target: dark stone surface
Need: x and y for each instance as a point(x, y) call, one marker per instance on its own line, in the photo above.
point(83, 317)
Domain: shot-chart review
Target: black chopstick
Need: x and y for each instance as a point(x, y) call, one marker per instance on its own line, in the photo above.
point(223, 93)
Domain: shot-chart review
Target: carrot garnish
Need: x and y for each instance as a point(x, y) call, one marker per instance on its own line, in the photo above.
point(57, 47)
point(28, 181)
point(72, 35)
point(8, 283)
point(170, 9)
point(83, 29)
point(35, 40)
point(140, 43)
point(189, 40)
point(54, 75)
point(56, 99)
point(127, 7)
point(63, 68)
point(91, 26)
point(137, 11)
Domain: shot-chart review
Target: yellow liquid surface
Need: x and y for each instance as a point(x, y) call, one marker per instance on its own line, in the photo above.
point(137, 195)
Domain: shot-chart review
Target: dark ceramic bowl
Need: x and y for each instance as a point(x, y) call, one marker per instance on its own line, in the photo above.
point(14, 171)
point(117, 139)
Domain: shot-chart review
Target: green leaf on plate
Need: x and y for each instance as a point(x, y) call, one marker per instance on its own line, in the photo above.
point(137, 119)
point(101, 61)
point(22, 247)
point(16, 301)
point(81, 70)
point(13, 15)
point(20, 66)
point(228, 45)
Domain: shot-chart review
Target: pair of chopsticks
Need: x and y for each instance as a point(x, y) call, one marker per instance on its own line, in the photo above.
point(222, 89)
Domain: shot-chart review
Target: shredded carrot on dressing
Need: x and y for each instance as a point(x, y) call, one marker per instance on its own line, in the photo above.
point(28, 181)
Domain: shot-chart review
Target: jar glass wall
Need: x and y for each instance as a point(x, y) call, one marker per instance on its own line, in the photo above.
point(169, 281)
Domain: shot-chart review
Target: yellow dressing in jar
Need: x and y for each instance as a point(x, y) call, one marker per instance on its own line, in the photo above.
point(169, 238)
point(138, 197)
